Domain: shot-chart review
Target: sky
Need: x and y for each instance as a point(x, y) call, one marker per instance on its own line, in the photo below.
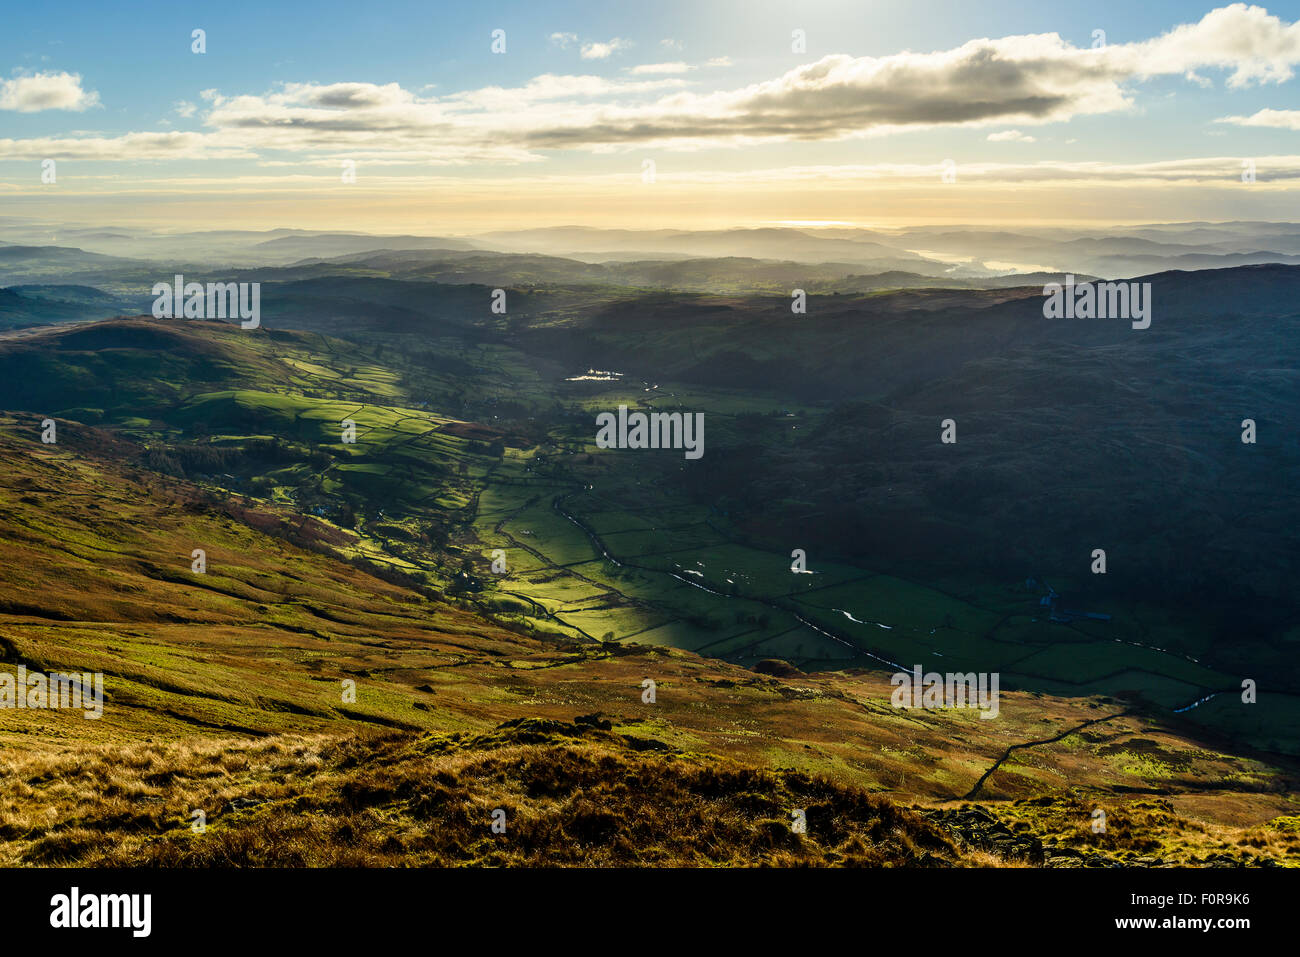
point(422, 118)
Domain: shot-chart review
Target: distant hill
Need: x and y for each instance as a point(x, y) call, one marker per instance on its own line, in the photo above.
point(37, 304)
point(767, 243)
point(337, 244)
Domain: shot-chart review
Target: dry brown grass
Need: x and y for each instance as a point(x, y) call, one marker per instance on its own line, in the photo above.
point(1146, 831)
point(573, 795)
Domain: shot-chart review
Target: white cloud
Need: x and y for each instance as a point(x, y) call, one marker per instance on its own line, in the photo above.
point(648, 68)
point(185, 108)
point(718, 61)
point(150, 145)
point(1275, 119)
point(46, 91)
point(1256, 46)
point(602, 51)
point(564, 39)
point(1010, 136)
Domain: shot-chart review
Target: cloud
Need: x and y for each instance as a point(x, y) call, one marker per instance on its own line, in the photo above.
point(1030, 79)
point(1022, 79)
point(46, 91)
point(491, 124)
point(1221, 171)
point(677, 66)
point(648, 68)
point(185, 108)
point(129, 146)
point(564, 39)
point(1277, 174)
point(1010, 136)
point(1275, 119)
point(1007, 84)
point(1256, 46)
point(602, 51)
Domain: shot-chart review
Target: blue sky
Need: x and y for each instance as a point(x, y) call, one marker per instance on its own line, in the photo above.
point(412, 95)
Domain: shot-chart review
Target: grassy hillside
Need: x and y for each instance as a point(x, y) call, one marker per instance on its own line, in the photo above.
point(224, 694)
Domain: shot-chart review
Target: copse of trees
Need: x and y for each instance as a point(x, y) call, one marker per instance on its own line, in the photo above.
point(188, 461)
